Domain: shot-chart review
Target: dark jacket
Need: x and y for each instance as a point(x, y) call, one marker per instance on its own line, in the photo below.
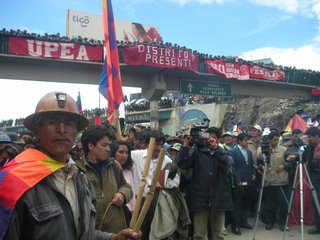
point(313, 164)
point(209, 184)
point(242, 171)
point(292, 149)
point(44, 213)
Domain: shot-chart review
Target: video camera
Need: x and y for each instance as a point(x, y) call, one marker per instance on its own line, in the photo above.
point(265, 147)
point(196, 132)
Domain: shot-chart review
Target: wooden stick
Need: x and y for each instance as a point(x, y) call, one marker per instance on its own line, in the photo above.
point(142, 185)
point(150, 193)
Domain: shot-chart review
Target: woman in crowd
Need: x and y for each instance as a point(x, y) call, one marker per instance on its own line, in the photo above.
point(121, 152)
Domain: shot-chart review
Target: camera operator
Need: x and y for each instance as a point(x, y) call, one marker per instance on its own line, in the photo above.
point(292, 155)
point(210, 190)
point(312, 158)
point(276, 180)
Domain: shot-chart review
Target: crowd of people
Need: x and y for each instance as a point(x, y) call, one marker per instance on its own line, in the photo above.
point(293, 75)
point(83, 181)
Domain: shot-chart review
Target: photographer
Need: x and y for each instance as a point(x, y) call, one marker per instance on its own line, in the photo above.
point(276, 180)
point(312, 158)
point(210, 190)
point(292, 155)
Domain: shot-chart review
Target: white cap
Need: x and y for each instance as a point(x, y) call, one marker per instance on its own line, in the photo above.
point(176, 146)
point(256, 126)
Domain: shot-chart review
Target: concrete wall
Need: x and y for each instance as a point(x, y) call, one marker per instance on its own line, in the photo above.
point(187, 115)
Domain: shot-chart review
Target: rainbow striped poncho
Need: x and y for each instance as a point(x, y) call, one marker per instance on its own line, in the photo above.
point(18, 176)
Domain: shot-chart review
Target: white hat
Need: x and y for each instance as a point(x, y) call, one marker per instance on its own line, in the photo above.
point(256, 126)
point(176, 146)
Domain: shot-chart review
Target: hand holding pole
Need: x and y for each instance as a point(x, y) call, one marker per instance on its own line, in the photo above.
point(142, 183)
point(150, 193)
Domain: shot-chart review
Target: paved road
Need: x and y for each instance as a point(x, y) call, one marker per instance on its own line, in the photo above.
point(274, 234)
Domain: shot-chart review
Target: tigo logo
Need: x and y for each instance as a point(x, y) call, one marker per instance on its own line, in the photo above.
point(83, 21)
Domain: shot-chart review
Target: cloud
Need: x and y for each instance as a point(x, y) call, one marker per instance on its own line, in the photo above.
point(305, 57)
point(286, 5)
point(308, 8)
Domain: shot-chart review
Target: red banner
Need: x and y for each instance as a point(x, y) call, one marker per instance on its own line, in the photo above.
point(160, 57)
point(263, 73)
point(228, 69)
point(242, 71)
point(315, 92)
point(71, 51)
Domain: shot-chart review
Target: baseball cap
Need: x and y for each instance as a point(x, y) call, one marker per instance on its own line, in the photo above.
point(256, 126)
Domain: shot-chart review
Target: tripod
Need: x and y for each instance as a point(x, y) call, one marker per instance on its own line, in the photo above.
point(260, 195)
point(266, 160)
point(314, 194)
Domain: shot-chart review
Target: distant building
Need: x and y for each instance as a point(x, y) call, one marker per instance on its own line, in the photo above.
point(264, 60)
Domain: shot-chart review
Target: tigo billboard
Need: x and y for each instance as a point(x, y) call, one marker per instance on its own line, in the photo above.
point(88, 25)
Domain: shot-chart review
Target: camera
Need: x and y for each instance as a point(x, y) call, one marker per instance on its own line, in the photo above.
point(196, 132)
point(265, 148)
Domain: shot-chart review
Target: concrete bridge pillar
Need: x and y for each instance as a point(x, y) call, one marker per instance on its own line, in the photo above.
point(155, 86)
point(153, 91)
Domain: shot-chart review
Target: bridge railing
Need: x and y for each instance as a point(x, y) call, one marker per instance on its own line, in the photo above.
point(292, 75)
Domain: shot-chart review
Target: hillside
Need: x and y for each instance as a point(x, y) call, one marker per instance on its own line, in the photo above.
point(268, 112)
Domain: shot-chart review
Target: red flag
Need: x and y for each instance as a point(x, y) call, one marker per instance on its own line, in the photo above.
point(110, 79)
point(97, 120)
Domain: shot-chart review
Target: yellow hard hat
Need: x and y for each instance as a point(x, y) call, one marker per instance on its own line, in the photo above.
point(56, 102)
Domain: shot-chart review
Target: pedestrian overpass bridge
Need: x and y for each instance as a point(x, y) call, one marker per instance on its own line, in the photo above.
point(154, 81)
